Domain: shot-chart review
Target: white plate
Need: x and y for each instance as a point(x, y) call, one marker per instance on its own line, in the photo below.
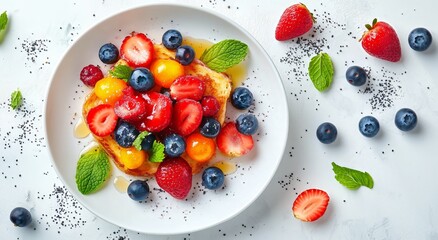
point(162, 214)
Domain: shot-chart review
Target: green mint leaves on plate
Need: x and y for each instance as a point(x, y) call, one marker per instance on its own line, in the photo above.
point(121, 72)
point(92, 170)
point(352, 179)
point(16, 99)
point(3, 24)
point(139, 139)
point(157, 152)
point(224, 54)
point(321, 71)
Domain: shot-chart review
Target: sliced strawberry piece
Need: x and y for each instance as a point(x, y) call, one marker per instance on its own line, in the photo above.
point(130, 107)
point(102, 120)
point(137, 50)
point(233, 143)
point(174, 175)
point(158, 112)
point(186, 116)
point(187, 87)
point(310, 205)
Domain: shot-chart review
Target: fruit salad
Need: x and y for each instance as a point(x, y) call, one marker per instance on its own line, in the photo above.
point(160, 112)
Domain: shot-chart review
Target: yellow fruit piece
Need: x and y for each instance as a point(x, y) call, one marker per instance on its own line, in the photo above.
point(165, 71)
point(132, 158)
point(110, 89)
point(200, 148)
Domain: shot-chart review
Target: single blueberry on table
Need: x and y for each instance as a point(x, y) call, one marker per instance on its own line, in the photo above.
point(108, 53)
point(326, 133)
point(20, 217)
point(212, 178)
point(420, 39)
point(369, 126)
point(405, 119)
point(356, 76)
point(138, 190)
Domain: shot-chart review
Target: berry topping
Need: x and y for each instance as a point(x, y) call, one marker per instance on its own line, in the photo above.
point(108, 53)
point(210, 127)
point(146, 143)
point(247, 123)
point(165, 71)
point(138, 190)
point(90, 75)
point(200, 148)
point(326, 133)
point(369, 126)
point(233, 143)
point(174, 176)
point(20, 217)
point(356, 76)
point(102, 120)
point(381, 41)
point(172, 39)
point(187, 87)
point(186, 116)
point(241, 98)
point(295, 21)
point(212, 178)
point(174, 145)
point(210, 106)
point(141, 79)
point(130, 107)
point(405, 119)
point(185, 55)
point(137, 50)
point(158, 112)
point(420, 39)
point(310, 205)
point(125, 134)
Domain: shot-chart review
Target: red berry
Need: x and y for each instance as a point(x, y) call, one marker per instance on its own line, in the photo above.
point(102, 120)
point(90, 75)
point(130, 107)
point(158, 112)
point(174, 175)
point(210, 106)
point(310, 205)
point(295, 21)
point(187, 87)
point(186, 116)
point(381, 41)
point(233, 143)
point(137, 50)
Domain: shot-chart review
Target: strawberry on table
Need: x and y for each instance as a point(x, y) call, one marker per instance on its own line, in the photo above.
point(381, 41)
point(137, 50)
point(310, 205)
point(233, 143)
point(295, 21)
point(174, 175)
point(102, 120)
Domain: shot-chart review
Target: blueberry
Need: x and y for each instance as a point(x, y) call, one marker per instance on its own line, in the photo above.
point(185, 55)
point(141, 79)
point(147, 142)
point(109, 53)
point(125, 134)
point(210, 127)
point(326, 133)
point(138, 190)
point(241, 98)
point(174, 145)
point(212, 178)
point(172, 39)
point(247, 123)
point(20, 217)
point(405, 119)
point(356, 76)
point(369, 126)
point(419, 39)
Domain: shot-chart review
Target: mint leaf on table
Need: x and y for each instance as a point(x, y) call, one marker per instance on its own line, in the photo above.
point(352, 179)
point(121, 72)
point(16, 99)
point(92, 170)
point(157, 152)
point(139, 139)
point(224, 54)
point(3, 24)
point(321, 71)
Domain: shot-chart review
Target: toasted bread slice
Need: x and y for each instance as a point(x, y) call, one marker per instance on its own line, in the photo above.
point(217, 85)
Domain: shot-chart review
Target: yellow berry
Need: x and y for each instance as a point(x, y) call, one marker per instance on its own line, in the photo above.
point(132, 158)
point(110, 89)
point(165, 71)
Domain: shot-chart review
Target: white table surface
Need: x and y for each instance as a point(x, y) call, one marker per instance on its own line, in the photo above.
point(403, 203)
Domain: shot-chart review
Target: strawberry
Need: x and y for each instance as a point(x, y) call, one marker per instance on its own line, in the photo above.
point(174, 175)
point(158, 112)
point(130, 107)
point(295, 21)
point(233, 143)
point(381, 41)
point(310, 205)
point(102, 120)
point(186, 116)
point(137, 50)
point(187, 87)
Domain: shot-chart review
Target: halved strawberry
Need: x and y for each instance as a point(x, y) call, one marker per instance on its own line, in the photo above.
point(186, 116)
point(187, 87)
point(174, 175)
point(137, 50)
point(310, 205)
point(102, 120)
point(233, 143)
point(130, 107)
point(158, 112)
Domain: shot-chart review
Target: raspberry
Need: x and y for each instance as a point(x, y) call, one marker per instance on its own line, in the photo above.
point(90, 75)
point(210, 106)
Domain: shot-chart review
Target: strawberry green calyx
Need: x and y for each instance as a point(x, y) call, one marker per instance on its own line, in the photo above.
point(311, 14)
point(369, 27)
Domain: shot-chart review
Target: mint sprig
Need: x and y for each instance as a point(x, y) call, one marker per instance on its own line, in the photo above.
point(139, 139)
point(224, 54)
point(3, 24)
point(121, 72)
point(351, 178)
point(92, 170)
point(157, 152)
point(321, 71)
point(16, 99)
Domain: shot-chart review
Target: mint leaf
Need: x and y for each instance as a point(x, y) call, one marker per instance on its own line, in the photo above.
point(121, 72)
point(3, 24)
point(224, 54)
point(16, 99)
point(92, 170)
point(321, 71)
point(352, 179)
point(157, 152)
point(139, 139)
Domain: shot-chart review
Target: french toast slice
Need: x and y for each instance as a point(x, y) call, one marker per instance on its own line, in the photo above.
point(217, 85)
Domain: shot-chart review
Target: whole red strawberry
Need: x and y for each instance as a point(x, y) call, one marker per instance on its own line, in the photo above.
point(295, 21)
point(381, 41)
point(174, 175)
